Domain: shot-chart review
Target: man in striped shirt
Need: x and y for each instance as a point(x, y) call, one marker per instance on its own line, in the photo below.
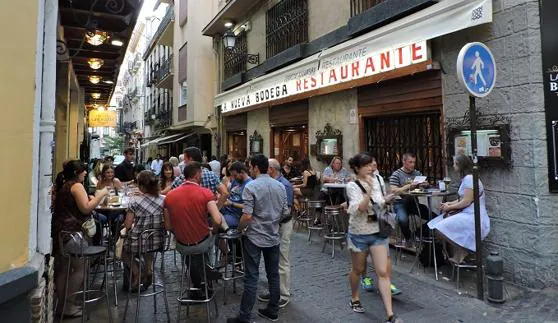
point(402, 181)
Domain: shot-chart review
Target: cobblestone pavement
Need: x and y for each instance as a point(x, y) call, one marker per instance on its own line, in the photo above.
point(320, 293)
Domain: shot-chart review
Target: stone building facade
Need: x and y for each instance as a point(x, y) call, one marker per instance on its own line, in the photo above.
point(426, 92)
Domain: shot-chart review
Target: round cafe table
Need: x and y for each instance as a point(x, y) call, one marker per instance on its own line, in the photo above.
point(337, 190)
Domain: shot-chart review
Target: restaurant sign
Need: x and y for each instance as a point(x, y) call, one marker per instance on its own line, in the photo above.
point(102, 118)
point(353, 64)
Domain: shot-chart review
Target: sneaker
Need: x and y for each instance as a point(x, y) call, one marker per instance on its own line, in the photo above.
point(356, 306)
point(284, 302)
point(367, 284)
point(266, 314)
point(394, 319)
point(394, 290)
point(264, 297)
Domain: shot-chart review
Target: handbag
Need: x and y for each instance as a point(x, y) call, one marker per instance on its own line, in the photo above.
point(386, 220)
point(89, 227)
point(119, 244)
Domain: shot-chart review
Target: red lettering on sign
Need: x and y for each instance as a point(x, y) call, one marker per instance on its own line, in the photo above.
point(369, 65)
point(344, 72)
point(298, 85)
point(385, 60)
point(355, 66)
point(415, 49)
point(306, 84)
point(313, 81)
point(332, 76)
point(400, 55)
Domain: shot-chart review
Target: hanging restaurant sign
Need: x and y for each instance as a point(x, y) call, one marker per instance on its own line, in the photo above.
point(397, 45)
point(99, 118)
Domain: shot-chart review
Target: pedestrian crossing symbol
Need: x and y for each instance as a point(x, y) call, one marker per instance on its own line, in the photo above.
point(476, 69)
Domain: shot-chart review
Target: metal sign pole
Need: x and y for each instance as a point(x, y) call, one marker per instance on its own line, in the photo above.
point(476, 202)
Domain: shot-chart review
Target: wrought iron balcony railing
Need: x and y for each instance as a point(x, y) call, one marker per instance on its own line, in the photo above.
point(163, 69)
point(235, 58)
point(286, 26)
point(360, 6)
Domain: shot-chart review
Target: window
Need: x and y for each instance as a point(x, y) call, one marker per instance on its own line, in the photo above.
point(183, 12)
point(360, 6)
point(183, 94)
point(286, 25)
point(235, 58)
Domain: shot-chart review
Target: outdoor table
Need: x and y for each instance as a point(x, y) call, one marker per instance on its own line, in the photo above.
point(429, 194)
point(335, 188)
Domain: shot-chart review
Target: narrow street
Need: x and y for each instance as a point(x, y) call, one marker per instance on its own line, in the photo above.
point(321, 293)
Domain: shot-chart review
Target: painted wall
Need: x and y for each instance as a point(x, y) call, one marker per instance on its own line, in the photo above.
point(523, 213)
point(258, 120)
point(16, 128)
point(333, 108)
point(323, 19)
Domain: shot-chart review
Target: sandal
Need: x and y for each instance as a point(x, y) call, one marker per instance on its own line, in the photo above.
point(356, 306)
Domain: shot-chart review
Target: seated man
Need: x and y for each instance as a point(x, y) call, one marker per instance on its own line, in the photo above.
point(232, 211)
point(402, 181)
point(186, 210)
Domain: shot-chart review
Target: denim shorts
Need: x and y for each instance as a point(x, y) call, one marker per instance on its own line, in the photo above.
point(363, 242)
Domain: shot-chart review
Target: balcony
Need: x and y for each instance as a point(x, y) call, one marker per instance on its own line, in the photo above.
point(163, 74)
point(164, 34)
point(286, 26)
point(360, 6)
point(163, 119)
point(234, 10)
point(235, 59)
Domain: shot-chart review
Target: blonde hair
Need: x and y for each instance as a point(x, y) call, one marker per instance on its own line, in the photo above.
point(174, 161)
point(334, 159)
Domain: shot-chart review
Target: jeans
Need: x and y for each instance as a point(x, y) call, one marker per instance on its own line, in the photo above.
point(402, 209)
point(196, 270)
point(252, 255)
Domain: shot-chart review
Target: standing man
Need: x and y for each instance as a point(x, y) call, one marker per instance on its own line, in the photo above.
point(285, 233)
point(215, 165)
point(232, 211)
point(186, 210)
point(157, 165)
point(125, 170)
point(402, 181)
point(265, 204)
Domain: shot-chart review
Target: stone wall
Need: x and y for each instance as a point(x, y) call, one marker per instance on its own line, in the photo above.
point(523, 217)
point(259, 120)
point(333, 108)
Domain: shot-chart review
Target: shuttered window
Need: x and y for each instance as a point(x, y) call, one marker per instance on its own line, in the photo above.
point(182, 12)
point(183, 63)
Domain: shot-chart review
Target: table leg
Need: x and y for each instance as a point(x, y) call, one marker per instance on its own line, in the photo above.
point(419, 249)
point(429, 199)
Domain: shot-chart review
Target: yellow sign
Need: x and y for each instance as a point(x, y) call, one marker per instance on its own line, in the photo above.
point(102, 118)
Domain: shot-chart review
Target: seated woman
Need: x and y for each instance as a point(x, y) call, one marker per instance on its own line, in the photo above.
point(144, 212)
point(108, 180)
point(167, 178)
point(309, 180)
point(72, 207)
point(456, 224)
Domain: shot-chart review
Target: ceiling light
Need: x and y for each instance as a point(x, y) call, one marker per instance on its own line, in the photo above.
point(95, 79)
point(117, 42)
point(95, 63)
point(96, 38)
point(108, 82)
point(96, 95)
point(229, 24)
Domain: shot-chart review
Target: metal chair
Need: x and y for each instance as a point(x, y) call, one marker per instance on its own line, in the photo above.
point(147, 238)
point(208, 292)
point(231, 272)
point(82, 250)
point(303, 216)
point(314, 223)
point(334, 227)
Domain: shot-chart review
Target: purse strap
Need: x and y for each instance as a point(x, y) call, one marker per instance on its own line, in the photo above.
point(364, 190)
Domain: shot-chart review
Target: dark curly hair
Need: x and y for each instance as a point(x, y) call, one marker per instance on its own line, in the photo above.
point(360, 160)
point(148, 183)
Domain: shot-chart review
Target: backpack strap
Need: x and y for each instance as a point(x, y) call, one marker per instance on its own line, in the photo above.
point(363, 190)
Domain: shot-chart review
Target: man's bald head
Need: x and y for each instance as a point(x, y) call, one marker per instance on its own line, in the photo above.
point(274, 169)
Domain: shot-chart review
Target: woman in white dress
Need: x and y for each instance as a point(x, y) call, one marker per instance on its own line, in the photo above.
point(456, 223)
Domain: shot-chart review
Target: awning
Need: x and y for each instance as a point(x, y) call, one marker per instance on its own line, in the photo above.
point(173, 140)
point(398, 45)
point(158, 140)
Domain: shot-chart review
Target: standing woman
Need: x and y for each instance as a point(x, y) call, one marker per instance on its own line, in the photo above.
point(363, 237)
point(145, 211)
point(108, 180)
point(166, 178)
point(71, 209)
point(456, 224)
point(174, 162)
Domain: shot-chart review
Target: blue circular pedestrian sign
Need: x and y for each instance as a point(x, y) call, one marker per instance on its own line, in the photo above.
point(476, 69)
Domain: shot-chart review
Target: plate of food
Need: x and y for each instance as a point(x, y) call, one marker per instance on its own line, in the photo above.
point(417, 191)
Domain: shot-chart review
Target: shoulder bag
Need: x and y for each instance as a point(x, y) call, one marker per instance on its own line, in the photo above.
point(386, 220)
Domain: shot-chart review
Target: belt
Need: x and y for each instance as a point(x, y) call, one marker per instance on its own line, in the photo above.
point(195, 243)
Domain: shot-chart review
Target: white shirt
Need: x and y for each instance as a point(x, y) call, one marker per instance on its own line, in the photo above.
point(358, 220)
point(215, 167)
point(156, 166)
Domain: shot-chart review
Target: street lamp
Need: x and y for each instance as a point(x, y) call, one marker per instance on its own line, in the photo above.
point(229, 39)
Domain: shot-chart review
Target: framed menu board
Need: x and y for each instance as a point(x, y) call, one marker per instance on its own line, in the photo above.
point(493, 146)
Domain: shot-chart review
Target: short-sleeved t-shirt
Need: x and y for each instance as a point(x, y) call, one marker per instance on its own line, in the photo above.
point(235, 196)
point(400, 177)
point(187, 207)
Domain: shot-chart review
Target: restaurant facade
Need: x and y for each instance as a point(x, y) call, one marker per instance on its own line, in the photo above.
point(381, 77)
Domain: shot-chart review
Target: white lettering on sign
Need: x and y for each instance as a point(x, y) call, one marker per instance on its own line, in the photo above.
point(351, 65)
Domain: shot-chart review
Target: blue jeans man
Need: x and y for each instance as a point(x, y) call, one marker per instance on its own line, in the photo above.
point(252, 254)
point(402, 210)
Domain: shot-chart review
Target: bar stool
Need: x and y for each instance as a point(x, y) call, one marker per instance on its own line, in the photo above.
point(303, 217)
point(208, 292)
point(233, 273)
point(315, 216)
point(334, 227)
point(82, 250)
point(147, 238)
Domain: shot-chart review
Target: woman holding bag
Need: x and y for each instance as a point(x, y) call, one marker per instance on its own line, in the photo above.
point(365, 197)
point(72, 209)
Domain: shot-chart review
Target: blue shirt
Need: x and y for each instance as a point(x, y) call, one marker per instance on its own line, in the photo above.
point(235, 196)
point(265, 200)
point(208, 180)
point(288, 188)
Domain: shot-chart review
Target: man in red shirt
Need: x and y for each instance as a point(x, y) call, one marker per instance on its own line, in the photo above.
point(186, 210)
